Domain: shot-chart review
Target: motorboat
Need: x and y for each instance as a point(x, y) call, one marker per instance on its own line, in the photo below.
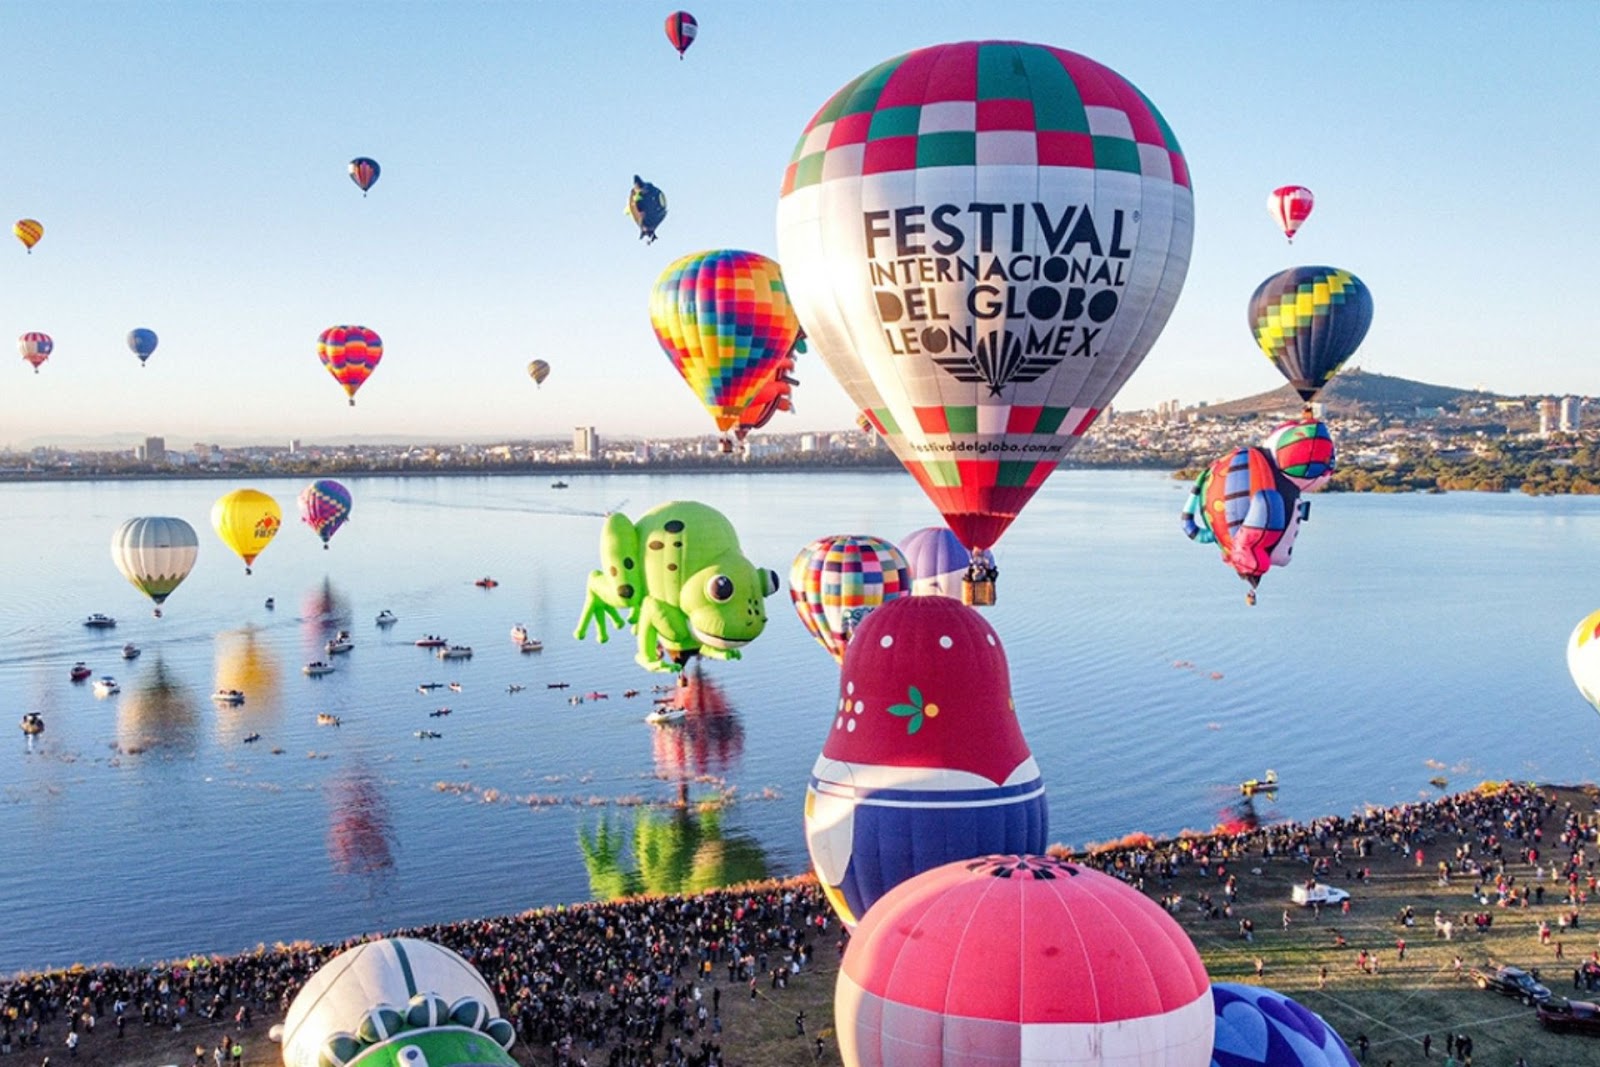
point(105, 685)
point(80, 671)
point(98, 621)
point(438, 713)
point(663, 715)
point(33, 724)
point(1268, 783)
point(428, 687)
point(515, 688)
point(532, 645)
point(596, 695)
point(317, 668)
point(340, 642)
point(324, 719)
point(429, 734)
point(557, 685)
point(386, 618)
point(271, 604)
point(629, 694)
point(251, 738)
point(228, 696)
point(558, 485)
point(519, 633)
point(486, 582)
point(130, 651)
point(455, 687)
point(455, 652)
point(431, 641)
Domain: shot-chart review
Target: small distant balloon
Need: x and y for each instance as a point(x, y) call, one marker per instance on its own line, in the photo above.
point(837, 581)
point(28, 231)
point(538, 370)
point(1290, 206)
point(324, 506)
point(350, 353)
point(364, 172)
point(681, 31)
point(647, 207)
point(35, 348)
point(142, 342)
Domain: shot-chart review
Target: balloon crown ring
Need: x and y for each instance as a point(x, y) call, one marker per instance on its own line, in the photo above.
point(1039, 868)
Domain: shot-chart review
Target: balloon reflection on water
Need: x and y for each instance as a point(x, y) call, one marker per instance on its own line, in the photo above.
point(708, 740)
point(245, 662)
point(157, 712)
point(360, 827)
point(682, 850)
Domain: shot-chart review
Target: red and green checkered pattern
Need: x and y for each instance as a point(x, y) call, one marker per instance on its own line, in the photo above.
point(986, 102)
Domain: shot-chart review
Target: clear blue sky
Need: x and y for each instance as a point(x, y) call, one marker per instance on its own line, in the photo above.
point(188, 162)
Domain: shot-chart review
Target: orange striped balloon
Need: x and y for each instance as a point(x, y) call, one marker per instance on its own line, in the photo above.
point(28, 231)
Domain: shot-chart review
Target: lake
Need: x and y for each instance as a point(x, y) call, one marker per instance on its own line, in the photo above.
point(1413, 638)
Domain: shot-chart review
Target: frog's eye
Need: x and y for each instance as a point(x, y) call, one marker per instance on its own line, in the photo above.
point(720, 588)
point(769, 581)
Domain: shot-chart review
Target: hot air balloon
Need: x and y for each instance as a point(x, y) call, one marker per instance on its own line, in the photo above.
point(364, 172)
point(925, 761)
point(835, 582)
point(538, 370)
point(28, 231)
point(681, 30)
point(142, 342)
point(724, 320)
point(1290, 206)
point(1258, 1027)
point(1250, 509)
point(1303, 450)
point(351, 354)
point(1583, 658)
point(940, 564)
point(983, 240)
point(155, 553)
point(397, 1000)
point(647, 207)
point(1308, 321)
point(35, 348)
point(324, 506)
point(1021, 960)
point(247, 520)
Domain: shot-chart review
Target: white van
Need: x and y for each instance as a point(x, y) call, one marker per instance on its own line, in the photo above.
point(1318, 893)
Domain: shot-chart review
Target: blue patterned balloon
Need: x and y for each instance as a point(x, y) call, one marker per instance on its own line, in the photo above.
point(1259, 1027)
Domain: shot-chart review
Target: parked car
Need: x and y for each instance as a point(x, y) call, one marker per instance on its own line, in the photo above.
point(1318, 894)
point(1513, 982)
point(1564, 1016)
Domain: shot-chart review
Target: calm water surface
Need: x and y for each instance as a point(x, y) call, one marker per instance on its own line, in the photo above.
point(1414, 637)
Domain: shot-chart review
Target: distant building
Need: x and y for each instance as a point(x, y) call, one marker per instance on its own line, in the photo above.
point(1571, 414)
point(585, 442)
point(294, 446)
point(1549, 416)
point(154, 450)
point(808, 442)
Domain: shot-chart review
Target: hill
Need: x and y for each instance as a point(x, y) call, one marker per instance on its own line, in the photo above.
point(1356, 392)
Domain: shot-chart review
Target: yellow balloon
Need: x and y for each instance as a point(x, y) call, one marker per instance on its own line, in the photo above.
point(28, 231)
point(247, 520)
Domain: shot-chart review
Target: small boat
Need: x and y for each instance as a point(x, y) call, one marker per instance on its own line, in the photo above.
point(428, 687)
point(1268, 783)
point(665, 715)
point(558, 485)
point(270, 604)
point(429, 734)
point(252, 738)
point(455, 687)
point(80, 671)
point(438, 713)
point(228, 696)
point(33, 724)
point(628, 694)
point(386, 618)
point(324, 719)
point(532, 645)
point(431, 641)
point(595, 695)
point(455, 652)
point(98, 621)
point(519, 633)
point(556, 685)
point(515, 688)
point(130, 651)
point(340, 643)
point(317, 668)
point(105, 685)
point(574, 700)
point(486, 582)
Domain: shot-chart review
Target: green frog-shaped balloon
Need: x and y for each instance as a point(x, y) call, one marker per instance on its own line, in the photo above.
point(686, 587)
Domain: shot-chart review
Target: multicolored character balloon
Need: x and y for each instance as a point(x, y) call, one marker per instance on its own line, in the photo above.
point(1290, 206)
point(395, 1002)
point(1303, 450)
point(364, 172)
point(983, 240)
point(723, 318)
point(687, 588)
point(775, 396)
point(681, 31)
point(538, 370)
point(925, 761)
point(247, 520)
point(647, 207)
point(155, 553)
point(939, 561)
point(835, 582)
point(1249, 509)
point(142, 342)
point(1583, 658)
point(1308, 321)
point(1258, 1027)
point(324, 506)
point(28, 231)
point(35, 348)
point(1021, 960)
point(351, 354)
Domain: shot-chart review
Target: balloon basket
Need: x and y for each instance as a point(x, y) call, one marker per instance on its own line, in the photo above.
point(977, 593)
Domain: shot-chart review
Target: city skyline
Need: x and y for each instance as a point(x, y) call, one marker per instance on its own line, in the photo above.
point(187, 162)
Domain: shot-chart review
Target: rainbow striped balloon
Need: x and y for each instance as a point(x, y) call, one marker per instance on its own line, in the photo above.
point(351, 354)
point(835, 582)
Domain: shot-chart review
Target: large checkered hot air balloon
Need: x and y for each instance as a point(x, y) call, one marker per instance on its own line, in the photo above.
point(837, 581)
point(324, 506)
point(723, 318)
point(982, 241)
point(1308, 321)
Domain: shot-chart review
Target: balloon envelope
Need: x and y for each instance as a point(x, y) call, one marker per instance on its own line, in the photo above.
point(28, 231)
point(982, 241)
point(155, 553)
point(1289, 206)
point(681, 31)
point(1303, 450)
point(350, 353)
point(324, 506)
point(1252, 510)
point(1021, 960)
point(35, 348)
point(647, 207)
point(538, 370)
point(364, 172)
point(1308, 321)
point(1583, 658)
point(938, 561)
point(1259, 1027)
point(142, 342)
point(837, 581)
point(247, 520)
